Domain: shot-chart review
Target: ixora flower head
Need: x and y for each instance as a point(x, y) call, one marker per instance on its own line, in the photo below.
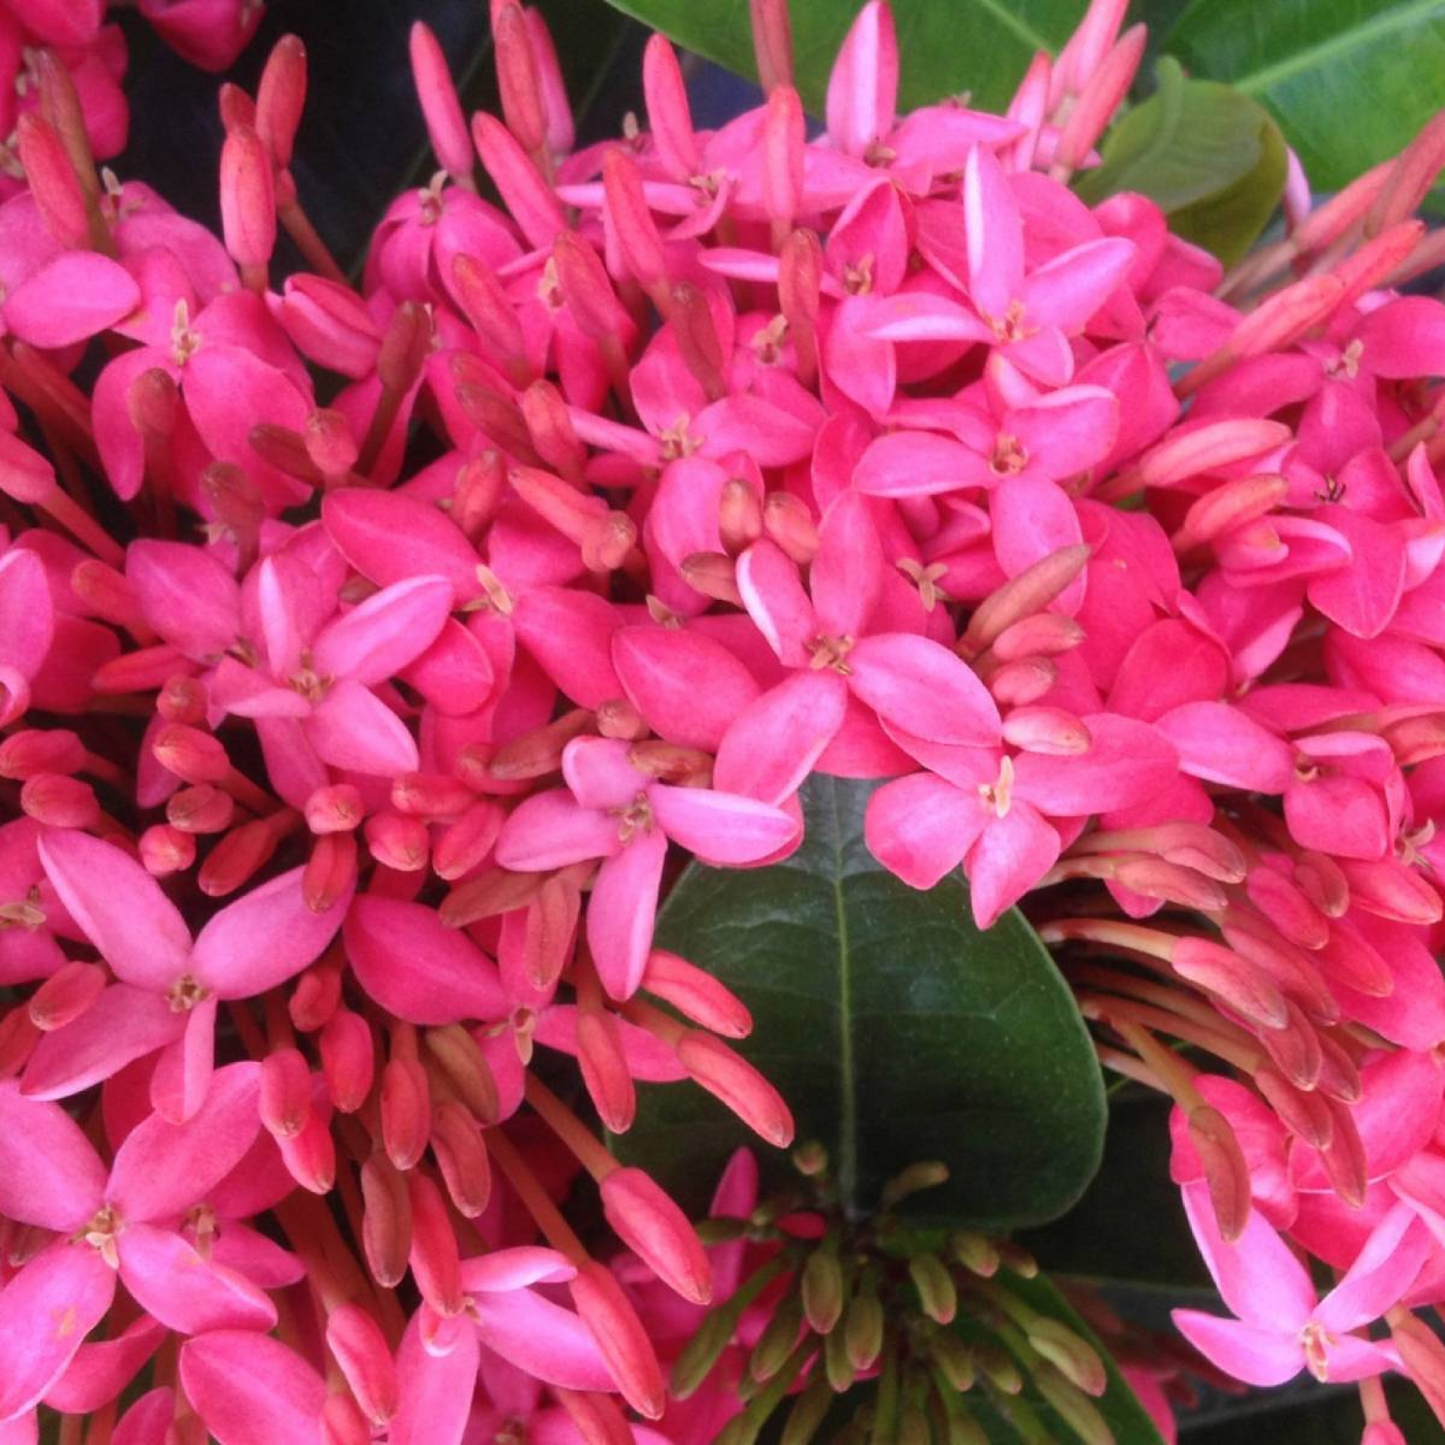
point(390, 664)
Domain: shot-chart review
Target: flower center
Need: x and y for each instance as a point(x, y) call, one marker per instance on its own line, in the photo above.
point(1010, 326)
point(858, 276)
point(100, 1234)
point(1314, 1339)
point(185, 340)
point(997, 796)
point(430, 197)
point(831, 652)
point(23, 913)
point(677, 441)
point(635, 818)
point(185, 993)
point(312, 685)
point(1009, 456)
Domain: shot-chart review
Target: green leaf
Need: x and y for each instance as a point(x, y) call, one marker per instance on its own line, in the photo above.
point(1350, 81)
point(1211, 157)
point(948, 46)
point(896, 1031)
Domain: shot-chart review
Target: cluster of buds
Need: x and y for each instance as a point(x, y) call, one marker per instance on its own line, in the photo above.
point(922, 1321)
point(371, 657)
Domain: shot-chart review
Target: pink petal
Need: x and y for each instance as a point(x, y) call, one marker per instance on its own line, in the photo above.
point(71, 298)
point(263, 938)
point(387, 631)
point(919, 464)
point(923, 316)
point(921, 685)
point(46, 1311)
point(435, 1391)
point(186, 594)
point(161, 1169)
point(183, 1071)
point(687, 687)
point(148, 1420)
point(847, 575)
point(455, 674)
point(543, 1340)
point(50, 1174)
point(724, 828)
point(1221, 744)
point(1341, 815)
point(622, 912)
point(1382, 1274)
point(249, 692)
point(919, 827)
point(1126, 764)
point(551, 830)
point(1250, 1353)
point(120, 907)
point(102, 1369)
point(772, 744)
point(1033, 518)
point(1362, 596)
point(599, 773)
point(390, 537)
point(416, 967)
point(570, 634)
point(1067, 431)
point(774, 597)
point(27, 616)
point(173, 1284)
point(647, 1058)
point(352, 728)
point(863, 85)
point(509, 1269)
point(1010, 856)
point(994, 232)
point(252, 1390)
point(123, 1024)
point(1067, 291)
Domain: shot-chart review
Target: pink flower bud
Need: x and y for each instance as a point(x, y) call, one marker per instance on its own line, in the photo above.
point(668, 113)
point(618, 718)
point(488, 308)
point(109, 596)
point(398, 842)
point(653, 1227)
point(788, 522)
point(551, 931)
point(360, 1349)
point(281, 97)
point(183, 700)
point(202, 809)
point(165, 850)
point(597, 1417)
point(527, 195)
point(604, 1070)
point(336, 808)
point(54, 185)
point(385, 1221)
point(41, 750)
point(729, 1077)
point(405, 1111)
point(191, 754)
point(1046, 730)
point(330, 324)
point(248, 199)
point(714, 575)
point(693, 328)
point(435, 1263)
point(1100, 98)
point(461, 1155)
point(310, 1156)
point(1225, 1170)
point(481, 486)
point(464, 844)
point(330, 445)
point(342, 1422)
point(696, 994)
point(631, 226)
point(317, 993)
point(783, 156)
point(550, 426)
point(1241, 985)
point(25, 476)
point(60, 802)
point(587, 289)
point(66, 994)
point(347, 1059)
point(330, 870)
point(620, 1336)
point(440, 107)
point(772, 42)
point(1302, 1112)
point(435, 797)
point(464, 1067)
point(285, 1103)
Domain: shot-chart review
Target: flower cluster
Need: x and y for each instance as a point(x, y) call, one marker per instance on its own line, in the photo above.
point(371, 656)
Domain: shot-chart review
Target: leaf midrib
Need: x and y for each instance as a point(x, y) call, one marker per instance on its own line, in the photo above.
point(1312, 56)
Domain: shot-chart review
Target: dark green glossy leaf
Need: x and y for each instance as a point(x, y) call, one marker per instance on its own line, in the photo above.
point(1211, 157)
point(948, 46)
point(1350, 81)
point(896, 1031)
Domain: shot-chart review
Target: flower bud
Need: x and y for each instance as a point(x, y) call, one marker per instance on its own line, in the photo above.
point(551, 931)
point(202, 809)
point(347, 1059)
point(604, 1070)
point(935, 1287)
point(1238, 983)
point(435, 797)
point(29, 753)
point(1073, 1356)
point(165, 850)
point(596, 1417)
point(183, 700)
point(54, 185)
point(285, 1103)
point(342, 1422)
point(248, 200)
point(696, 994)
point(398, 842)
point(461, 1155)
point(314, 1000)
point(620, 1337)
point(647, 1220)
point(405, 1110)
point(1078, 1411)
point(60, 802)
point(863, 1330)
point(465, 1069)
point(435, 1264)
point(310, 1156)
point(729, 1077)
point(788, 522)
point(281, 97)
point(360, 1349)
point(442, 111)
point(823, 1289)
point(66, 994)
point(1225, 1169)
point(329, 324)
point(464, 844)
point(193, 755)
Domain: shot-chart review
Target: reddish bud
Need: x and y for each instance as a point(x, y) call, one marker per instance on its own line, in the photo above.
point(464, 844)
point(465, 1068)
point(237, 858)
point(41, 750)
point(318, 991)
point(604, 1070)
point(18, 1037)
point(398, 842)
point(631, 224)
point(360, 1349)
point(330, 324)
point(523, 106)
point(281, 97)
point(330, 445)
point(461, 1155)
point(405, 1111)
point(60, 802)
point(1225, 1170)
point(202, 809)
point(342, 1422)
point(440, 107)
point(386, 1221)
point(54, 185)
point(436, 797)
point(191, 754)
point(347, 1059)
point(1239, 984)
point(789, 522)
point(435, 1264)
point(647, 1220)
point(285, 1092)
point(165, 850)
point(330, 870)
point(183, 700)
point(310, 1156)
point(696, 994)
point(404, 347)
point(729, 1077)
point(621, 1337)
point(66, 994)
point(248, 199)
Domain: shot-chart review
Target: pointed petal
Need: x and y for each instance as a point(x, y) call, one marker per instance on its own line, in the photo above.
point(416, 967)
point(71, 298)
point(724, 828)
point(46, 1311)
point(622, 912)
point(252, 1390)
point(123, 1024)
point(1247, 1352)
point(1068, 290)
point(994, 231)
point(922, 686)
point(687, 687)
point(1011, 855)
point(391, 628)
point(263, 938)
point(863, 85)
point(919, 827)
point(919, 464)
point(774, 597)
point(352, 728)
point(173, 1284)
point(120, 907)
point(543, 1340)
point(847, 574)
point(50, 1174)
point(551, 830)
point(1382, 1274)
point(435, 1391)
point(772, 744)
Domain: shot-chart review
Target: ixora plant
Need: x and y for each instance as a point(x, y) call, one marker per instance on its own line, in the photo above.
point(583, 811)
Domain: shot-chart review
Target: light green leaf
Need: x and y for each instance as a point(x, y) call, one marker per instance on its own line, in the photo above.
point(948, 46)
point(1211, 157)
point(1350, 81)
point(896, 1031)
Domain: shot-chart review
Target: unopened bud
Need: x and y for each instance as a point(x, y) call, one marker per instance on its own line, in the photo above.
point(713, 574)
point(461, 1154)
point(936, 1291)
point(620, 1336)
point(806, 1417)
point(729, 1077)
point(314, 1000)
point(465, 1069)
point(360, 1349)
point(823, 1289)
point(398, 842)
point(165, 850)
point(788, 521)
point(202, 810)
point(281, 97)
point(310, 1156)
point(34, 751)
point(463, 845)
point(248, 199)
point(926, 1174)
point(863, 1329)
point(51, 176)
point(1225, 1170)
point(405, 1111)
point(777, 1340)
point(285, 1104)
point(66, 994)
point(435, 1262)
point(60, 802)
point(954, 1359)
point(1074, 1357)
point(347, 1059)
